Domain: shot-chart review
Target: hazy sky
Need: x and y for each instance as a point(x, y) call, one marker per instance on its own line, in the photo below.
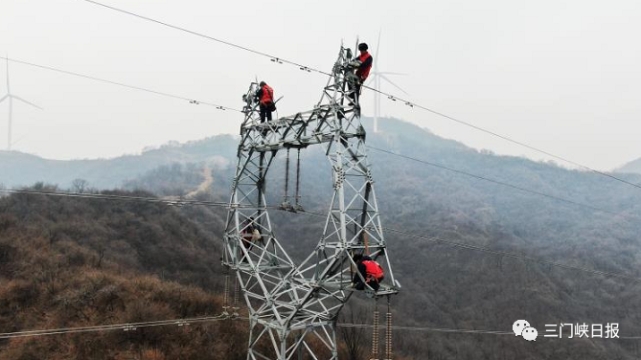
point(560, 75)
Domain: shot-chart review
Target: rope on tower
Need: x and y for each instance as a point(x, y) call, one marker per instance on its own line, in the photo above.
point(366, 241)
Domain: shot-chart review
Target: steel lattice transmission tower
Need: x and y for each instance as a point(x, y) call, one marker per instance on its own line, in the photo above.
point(293, 307)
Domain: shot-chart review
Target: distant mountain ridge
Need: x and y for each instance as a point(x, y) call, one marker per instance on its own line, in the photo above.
point(633, 166)
point(456, 287)
point(20, 169)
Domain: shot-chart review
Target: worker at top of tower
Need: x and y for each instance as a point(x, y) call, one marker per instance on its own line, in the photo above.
point(369, 270)
point(362, 64)
point(365, 65)
point(265, 97)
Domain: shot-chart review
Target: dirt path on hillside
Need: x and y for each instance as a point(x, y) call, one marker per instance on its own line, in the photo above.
point(209, 180)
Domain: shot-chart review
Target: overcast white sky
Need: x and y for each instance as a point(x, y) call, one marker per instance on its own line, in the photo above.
point(560, 75)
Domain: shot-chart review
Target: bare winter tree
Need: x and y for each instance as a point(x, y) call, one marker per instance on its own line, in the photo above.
point(356, 339)
point(79, 185)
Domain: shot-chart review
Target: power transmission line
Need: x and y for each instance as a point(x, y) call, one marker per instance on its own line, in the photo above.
point(202, 320)
point(568, 201)
point(133, 87)
point(593, 208)
point(513, 255)
point(491, 251)
point(182, 322)
point(180, 203)
point(111, 327)
point(414, 328)
point(388, 95)
point(225, 42)
point(516, 187)
point(221, 204)
point(459, 331)
point(501, 253)
point(371, 147)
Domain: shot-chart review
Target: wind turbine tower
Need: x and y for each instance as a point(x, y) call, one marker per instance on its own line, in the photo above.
point(376, 78)
point(10, 97)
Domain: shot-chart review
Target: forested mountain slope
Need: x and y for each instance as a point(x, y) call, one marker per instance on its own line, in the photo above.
point(444, 285)
point(77, 262)
point(455, 287)
point(19, 169)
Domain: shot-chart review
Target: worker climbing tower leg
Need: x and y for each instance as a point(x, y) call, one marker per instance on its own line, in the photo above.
point(293, 307)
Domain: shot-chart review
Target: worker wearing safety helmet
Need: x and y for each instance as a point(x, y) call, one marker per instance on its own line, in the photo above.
point(365, 60)
point(363, 65)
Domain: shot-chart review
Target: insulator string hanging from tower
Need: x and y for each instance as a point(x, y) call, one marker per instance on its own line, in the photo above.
point(298, 206)
point(236, 296)
point(286, 204)
point(226, 294)
point(388, 332)
point(375, 335)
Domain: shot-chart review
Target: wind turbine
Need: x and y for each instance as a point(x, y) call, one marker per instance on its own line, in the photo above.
point(376, 77)
point(9, 96)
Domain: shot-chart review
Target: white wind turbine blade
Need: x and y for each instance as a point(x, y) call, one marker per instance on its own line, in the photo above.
point(8, 84)
point(26, 102)
point(4, 98)
point(392, 73)
point(378, 46)
point(392, 83)
point(19, 140)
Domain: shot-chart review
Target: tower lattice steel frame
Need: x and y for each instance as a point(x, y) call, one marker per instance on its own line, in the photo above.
point(296, 306)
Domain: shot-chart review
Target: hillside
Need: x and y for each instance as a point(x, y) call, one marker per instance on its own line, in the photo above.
point(19, 169)
point(73, 262)
point(457, 288)
point(443, 286)
point(631, 167)
point(68, 262)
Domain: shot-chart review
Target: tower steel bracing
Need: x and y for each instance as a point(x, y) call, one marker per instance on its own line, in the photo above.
point(293, 308)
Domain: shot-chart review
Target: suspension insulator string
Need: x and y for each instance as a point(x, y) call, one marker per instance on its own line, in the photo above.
point(226, 295)
point(375, 335)
point(286, 205)
point(388, 332)
point(236, 297)
point(298, 207)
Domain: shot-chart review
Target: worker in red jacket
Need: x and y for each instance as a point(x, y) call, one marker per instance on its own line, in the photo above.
point(369, 270)
point(265, 97)
point(363, 65)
